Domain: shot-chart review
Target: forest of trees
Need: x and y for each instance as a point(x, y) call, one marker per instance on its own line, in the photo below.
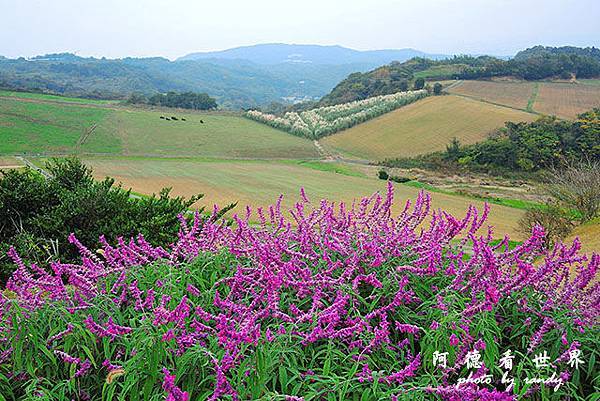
point(522, 147)
point(185, 100)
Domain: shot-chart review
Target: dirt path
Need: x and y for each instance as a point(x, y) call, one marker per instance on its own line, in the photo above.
point(329, 156)
point(534, 94)
point(326, 155)
point(453, 84)
point(32, 166)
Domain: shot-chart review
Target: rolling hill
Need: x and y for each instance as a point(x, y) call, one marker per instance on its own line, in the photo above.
point(257, 183)
point(42, 126)
point(424, 126)
point(537, 63)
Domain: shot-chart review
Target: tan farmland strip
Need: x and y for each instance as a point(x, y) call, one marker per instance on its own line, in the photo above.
point(259, 183)
point(566, 100)
point(589, 235)
point(9, 162)
point(422, 127)
point(511, 94)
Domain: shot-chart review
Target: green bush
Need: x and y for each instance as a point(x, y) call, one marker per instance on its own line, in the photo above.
point(38, 214)
point(399, 179)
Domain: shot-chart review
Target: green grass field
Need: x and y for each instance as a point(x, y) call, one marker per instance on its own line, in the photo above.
point(41, 127)
point(144, 133)
point(259, 183)
point(422, 127)
point(38, 127)
point(594, 82)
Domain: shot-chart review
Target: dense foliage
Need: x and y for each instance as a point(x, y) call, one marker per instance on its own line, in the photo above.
point(337, 302)
point(186, 100)
point(541, 144)
point(525, 147)
point(38, 214)
point(321, 121)
point(531, 64)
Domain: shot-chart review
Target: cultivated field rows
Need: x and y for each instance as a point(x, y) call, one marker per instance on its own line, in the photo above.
point(565, 100)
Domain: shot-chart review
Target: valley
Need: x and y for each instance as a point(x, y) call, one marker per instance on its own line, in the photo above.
point(230, 158)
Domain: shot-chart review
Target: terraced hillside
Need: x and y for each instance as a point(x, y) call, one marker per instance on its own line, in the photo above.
point(425, 126)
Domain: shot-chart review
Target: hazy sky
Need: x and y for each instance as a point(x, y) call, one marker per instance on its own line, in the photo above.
point(118, 28)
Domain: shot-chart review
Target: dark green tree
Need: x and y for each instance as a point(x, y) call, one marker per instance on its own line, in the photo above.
point(419, 83)
point(38, 214)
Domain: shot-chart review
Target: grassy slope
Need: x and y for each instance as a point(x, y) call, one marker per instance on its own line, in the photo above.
point(595, 82)
point(589, 234)
point(259, 183)
point(36, 127)
point(142, 132)
point(7, 161)
point(425, 126)
point(47, 127)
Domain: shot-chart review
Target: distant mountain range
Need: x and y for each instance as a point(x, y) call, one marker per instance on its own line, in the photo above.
point(238, 78)
point(276, 53)
point(258, 75)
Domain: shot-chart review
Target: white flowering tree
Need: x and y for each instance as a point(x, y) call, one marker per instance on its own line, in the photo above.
point(323, 121)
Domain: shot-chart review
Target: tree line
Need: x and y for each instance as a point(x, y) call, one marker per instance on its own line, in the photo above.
point(185, 100)
point(541, 144)
point(520, 147)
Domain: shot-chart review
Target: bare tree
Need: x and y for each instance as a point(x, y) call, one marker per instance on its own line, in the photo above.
point(555, 221)
point(577, 186)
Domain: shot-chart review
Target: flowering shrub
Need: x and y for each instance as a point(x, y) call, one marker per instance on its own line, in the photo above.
point(334, 302)
point(322, 121)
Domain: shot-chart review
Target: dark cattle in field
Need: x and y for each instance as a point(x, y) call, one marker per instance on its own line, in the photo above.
point(174, 118)
point(168, 119)
point(162, 117)
point(201, 121)
point(183, 119)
